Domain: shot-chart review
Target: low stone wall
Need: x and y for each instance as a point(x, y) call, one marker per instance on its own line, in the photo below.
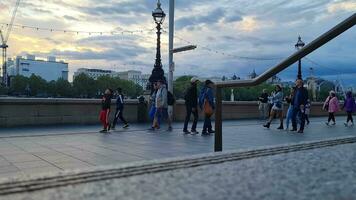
point(30, 111)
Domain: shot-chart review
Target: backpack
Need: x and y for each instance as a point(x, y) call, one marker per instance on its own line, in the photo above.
point(170, 98)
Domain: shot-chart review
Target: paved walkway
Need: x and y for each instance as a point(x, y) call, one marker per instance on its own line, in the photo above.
point(31, 151)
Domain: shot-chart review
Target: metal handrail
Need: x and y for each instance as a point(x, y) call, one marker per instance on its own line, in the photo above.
point(312, 46)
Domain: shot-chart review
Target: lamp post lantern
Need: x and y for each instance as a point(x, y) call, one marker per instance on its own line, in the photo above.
point(300, 44)
point(157, 72)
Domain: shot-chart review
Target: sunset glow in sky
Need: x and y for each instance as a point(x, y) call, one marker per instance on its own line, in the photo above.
point(262, 29)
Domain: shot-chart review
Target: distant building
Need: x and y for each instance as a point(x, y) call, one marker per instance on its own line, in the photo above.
point(132, 75)
point(94, 73)
point(252, 75)
point(48, 69)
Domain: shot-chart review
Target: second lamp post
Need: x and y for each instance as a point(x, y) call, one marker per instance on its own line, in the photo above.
point(300, 44)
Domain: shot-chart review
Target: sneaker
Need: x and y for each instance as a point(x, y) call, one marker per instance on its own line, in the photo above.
point(211, 131)
point(103, 131)
point(300, 131)
point(280, 128)
point(152, 129)
point(126, 126)
point(327, 123)
point(267, 125)
point(333, 124)
point(194, 132)
point(293, 130)
point(170, 129)
point(186, 132)
point(346, 124)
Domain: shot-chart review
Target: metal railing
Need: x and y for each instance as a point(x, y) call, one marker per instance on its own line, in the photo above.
point(312, 46)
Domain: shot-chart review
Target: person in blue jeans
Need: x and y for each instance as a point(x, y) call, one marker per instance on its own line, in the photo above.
point(299, 101)
point(206, 94)
point(290, 108)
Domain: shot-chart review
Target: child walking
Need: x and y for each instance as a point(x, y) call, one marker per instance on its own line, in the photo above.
point(119, 109)
point(350, 107)
point(105, 110)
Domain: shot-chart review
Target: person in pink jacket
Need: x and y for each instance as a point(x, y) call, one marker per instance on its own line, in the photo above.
point(331, 105)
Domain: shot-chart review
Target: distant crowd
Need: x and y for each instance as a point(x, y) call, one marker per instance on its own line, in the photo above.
point(271, 106)
point(161, 102)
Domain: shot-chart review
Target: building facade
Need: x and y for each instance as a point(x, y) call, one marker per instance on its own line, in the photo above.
point(48, 69)
point(94, 73)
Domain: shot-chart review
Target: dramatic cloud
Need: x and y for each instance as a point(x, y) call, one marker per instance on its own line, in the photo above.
point(229, 34)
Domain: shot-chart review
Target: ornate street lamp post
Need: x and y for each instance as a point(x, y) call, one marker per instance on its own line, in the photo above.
point(157, 72)
point(300, 44)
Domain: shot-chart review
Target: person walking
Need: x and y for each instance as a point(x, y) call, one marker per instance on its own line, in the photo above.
point(277, 108)
point(162, 104)
point(105, 110)
point(349, 107)
point(331, 104)
point(191, 106)
point(263, 104)
point(207, 105)
point(290, 108)
point(156, 121)
point(307, 111)
point(300, 98)
point(119, 109)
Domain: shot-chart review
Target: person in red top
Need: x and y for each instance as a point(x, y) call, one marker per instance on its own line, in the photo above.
point(105, 110)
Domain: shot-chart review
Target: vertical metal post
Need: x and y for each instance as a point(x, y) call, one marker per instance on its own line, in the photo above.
point(171, 39)
point(218, 121)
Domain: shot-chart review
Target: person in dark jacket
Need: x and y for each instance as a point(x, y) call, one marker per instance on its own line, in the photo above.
point(299, 100)
point(350, 107)
point(207, 95)
point(105, 110)
point(191, 105)
point(119, 109)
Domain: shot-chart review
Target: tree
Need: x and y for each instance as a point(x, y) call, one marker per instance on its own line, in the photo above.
point(63, 88)
point(180, 85)
point(37, 86)
point(84, 86)
point(19, 85)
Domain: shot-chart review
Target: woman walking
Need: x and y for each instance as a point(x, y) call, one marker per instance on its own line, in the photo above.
point(277, 108)
point(331, 104)
point(206, 103)
point(350, 107)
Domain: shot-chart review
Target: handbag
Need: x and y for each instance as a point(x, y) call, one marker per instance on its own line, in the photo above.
point(207, 108)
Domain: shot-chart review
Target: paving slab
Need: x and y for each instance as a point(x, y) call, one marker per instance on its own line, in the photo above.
point(81, 146)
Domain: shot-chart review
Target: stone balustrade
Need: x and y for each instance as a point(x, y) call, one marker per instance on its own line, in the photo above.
point(35, 111)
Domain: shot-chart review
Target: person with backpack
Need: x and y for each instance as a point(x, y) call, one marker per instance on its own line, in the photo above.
point(191, 106)
point(162, 104)
point(331, 104)
point(119, 109)
point(206, 103)
point(105, 110)
point(350, 107)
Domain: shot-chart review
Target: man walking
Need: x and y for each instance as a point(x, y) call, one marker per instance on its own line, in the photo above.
point(300, 99)
point(191, 105)
point(119, 109)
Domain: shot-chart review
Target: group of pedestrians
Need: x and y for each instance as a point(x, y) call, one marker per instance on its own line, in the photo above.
point(270, 106)
point(299, 107)
point(106, 109)
point(332, 105)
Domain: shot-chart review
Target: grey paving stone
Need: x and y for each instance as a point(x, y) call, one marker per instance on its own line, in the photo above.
point(23, 157)
point(32, 164)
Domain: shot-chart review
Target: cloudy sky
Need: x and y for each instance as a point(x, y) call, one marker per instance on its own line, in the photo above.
point(226, 32)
